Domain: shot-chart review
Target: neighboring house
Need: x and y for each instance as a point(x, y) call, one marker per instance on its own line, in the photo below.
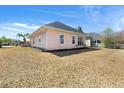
point(88, 41)
point(56, 35)
point(96, 39)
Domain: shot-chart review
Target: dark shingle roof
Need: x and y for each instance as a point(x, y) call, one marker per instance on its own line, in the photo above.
point(60, 25)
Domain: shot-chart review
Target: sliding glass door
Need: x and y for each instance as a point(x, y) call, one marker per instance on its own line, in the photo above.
point(80, 41)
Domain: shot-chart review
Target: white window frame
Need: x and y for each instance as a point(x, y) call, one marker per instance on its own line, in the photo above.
point(61, 39)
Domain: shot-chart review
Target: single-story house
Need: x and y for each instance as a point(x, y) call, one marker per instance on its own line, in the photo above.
point(96, 39)
point(56, 36)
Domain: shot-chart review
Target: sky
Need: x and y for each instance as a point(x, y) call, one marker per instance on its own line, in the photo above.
point(27, 19)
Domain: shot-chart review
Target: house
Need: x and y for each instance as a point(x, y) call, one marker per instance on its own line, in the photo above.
point(88, 41)
point(56, 36)
point(96, 39)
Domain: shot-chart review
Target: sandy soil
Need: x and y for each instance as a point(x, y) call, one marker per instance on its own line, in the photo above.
point(29, 67)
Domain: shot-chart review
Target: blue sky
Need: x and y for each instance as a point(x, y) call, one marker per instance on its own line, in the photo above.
point(26, 19)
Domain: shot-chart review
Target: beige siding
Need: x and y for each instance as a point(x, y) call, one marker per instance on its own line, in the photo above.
point(53, 40)
point(39, 43)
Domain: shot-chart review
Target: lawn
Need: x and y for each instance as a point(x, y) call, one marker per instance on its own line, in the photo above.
point(29, 67)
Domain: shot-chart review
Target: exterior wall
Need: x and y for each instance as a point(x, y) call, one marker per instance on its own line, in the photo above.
point(95, 43)
point(88, 43)
point(37, 43)
point(53, 40)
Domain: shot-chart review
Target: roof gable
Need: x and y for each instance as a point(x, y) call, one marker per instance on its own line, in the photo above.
point(60, 25)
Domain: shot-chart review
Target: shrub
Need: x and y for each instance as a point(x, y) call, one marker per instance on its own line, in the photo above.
point(0, 44)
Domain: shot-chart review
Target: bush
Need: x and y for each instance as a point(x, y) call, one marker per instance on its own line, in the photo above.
point(117, 47)
point(0, 44)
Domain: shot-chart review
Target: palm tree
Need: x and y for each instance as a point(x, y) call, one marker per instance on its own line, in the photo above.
point(23, 36)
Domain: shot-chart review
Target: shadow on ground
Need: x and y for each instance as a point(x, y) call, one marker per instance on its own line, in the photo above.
point(62, 53)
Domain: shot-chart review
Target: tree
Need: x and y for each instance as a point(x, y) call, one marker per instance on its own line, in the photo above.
point(0, 43)
point(79, 29)
point(120, 37)
point(6, 40)
point(24, 36)
point(107, 37)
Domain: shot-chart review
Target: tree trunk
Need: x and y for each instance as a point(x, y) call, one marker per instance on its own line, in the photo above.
point(24, 40)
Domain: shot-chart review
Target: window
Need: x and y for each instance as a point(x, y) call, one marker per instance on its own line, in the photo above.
point(98, 41)
point(93, 42)
point(39, 40)
point(73, 39)
point(80, 40)
point(61, 39)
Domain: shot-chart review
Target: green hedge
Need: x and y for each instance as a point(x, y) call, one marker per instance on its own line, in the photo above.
point(0, 44)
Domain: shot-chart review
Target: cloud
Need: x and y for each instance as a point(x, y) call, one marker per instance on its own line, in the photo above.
point(122, 20)
point(67, 14)
point(32, 26)
point(105, 16)
point(92, 12)
point(11, 29)
point(120, 24)
point(43, 22)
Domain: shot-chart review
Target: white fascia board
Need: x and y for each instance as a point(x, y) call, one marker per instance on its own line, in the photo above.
point(37, 31)
point(65, 30)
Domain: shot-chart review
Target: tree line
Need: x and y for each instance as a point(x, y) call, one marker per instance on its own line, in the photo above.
point(9, 41)
point(111, 38)
point(5, 40)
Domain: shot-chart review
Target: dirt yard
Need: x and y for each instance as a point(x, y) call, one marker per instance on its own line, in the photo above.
point(29, 67)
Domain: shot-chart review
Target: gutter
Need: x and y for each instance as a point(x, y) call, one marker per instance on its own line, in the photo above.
point(63, 30)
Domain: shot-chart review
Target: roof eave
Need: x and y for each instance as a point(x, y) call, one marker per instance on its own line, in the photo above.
point(38, 30)
point(49, 27)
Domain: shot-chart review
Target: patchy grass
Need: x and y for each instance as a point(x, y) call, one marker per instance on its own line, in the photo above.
point(29, 67)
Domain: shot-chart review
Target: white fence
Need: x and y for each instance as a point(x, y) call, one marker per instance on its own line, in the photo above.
point(117, 46)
